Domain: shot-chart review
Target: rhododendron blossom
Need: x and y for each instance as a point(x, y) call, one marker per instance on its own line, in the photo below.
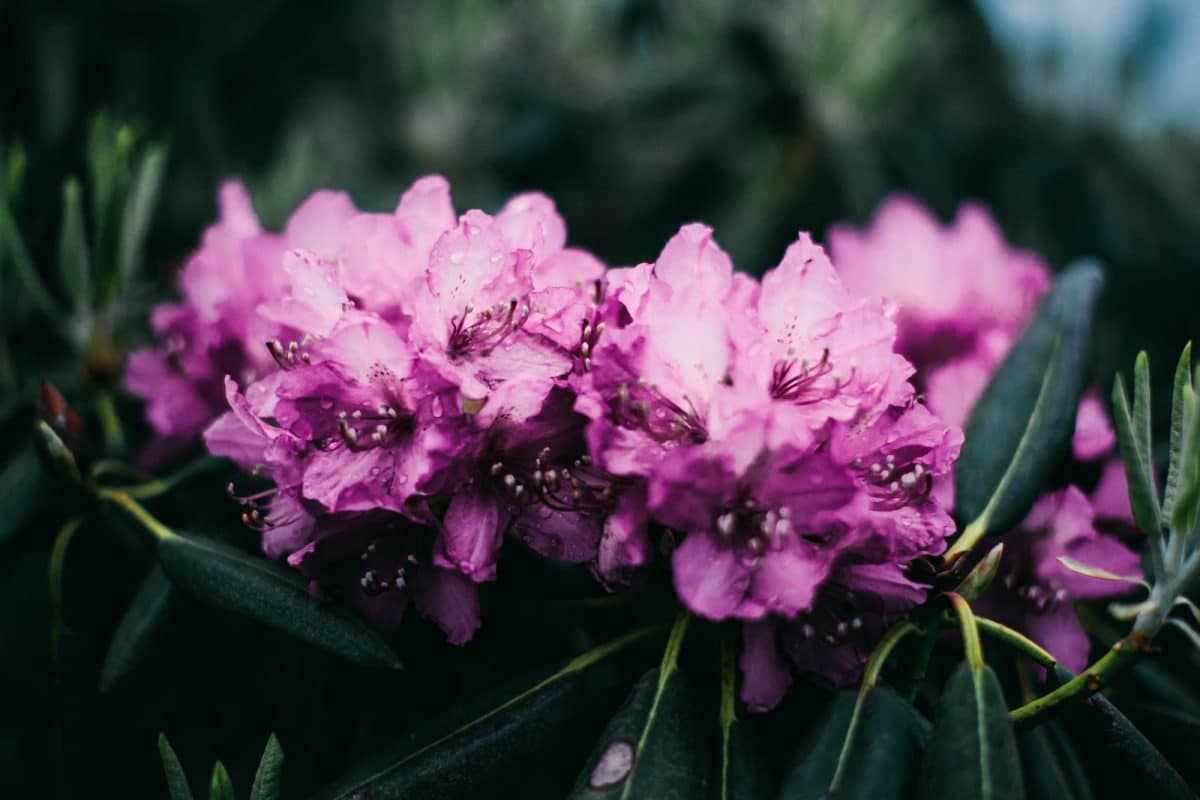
point(965, 296)
point(772, 431)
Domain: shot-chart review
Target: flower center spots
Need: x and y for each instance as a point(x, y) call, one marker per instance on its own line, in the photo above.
point(807, 383)
point(1037, 597)
point(591, 327)
point(752, 531)
point(363, 430)
point(385, 568)
point(643, 407)
point(894, 484)
point(255, 508)
point(581, 488)
point(484, 331)
point(287, 356)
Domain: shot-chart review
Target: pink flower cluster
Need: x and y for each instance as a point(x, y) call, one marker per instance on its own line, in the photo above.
point(965, 296)
point(414, 385)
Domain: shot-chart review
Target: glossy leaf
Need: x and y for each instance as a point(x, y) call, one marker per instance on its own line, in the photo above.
point(177, 786)
point(1138, 464)
point(270, 768)
point(1117, 752)
point(972, 752)
point(466, 749)
point(1023, 423)
point(140, 625)
point(26, 489)
point(880, 761)
point(225, 577)
point(1053, 770)
point(220, 787)
point(74, 272)
point(653, 747)
point(1180, 423)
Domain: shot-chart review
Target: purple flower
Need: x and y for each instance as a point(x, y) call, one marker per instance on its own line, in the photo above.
point(772, 432)
point(1035, 593)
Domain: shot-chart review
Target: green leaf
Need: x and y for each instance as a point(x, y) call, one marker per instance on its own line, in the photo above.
point(880, 759)
point(267, 778)
point(1023, 423)
point(177, 785)
point(1174, 730)
point(1052, 767)
point(466, 748)
point(653, 747)
point(225, 577)
point(1138, 464)
point(1118, 753)
point(26, 271)
point(140, 625)
point(972, 752)
point(981, 575)
point(220, 787)
point(74, 273)
point(139, 209)
point(1141, 404)
point(1180, 422)
point(26, 489)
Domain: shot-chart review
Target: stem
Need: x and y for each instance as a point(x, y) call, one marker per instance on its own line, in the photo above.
point(728, 683)
point(970, 629)
point(608, 648)
point(58, 559)
point(1083, 685)
point(915, 674)
point(110, 423)
point(970, 536)
point(1017, 641)
point(670, 657)
point(159, 486)
point(879, 655)
point(134, 509)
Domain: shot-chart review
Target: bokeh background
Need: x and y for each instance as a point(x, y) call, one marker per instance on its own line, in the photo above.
point(1075, 122)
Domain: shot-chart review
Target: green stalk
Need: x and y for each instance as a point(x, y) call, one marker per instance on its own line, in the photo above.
point(1083, 685)
point(1017, 641)
point(970, 629)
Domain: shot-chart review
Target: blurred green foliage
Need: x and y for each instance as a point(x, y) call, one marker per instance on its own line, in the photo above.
point(760, 117)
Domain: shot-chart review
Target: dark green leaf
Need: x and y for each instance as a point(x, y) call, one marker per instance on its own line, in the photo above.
point(26, 489)
point(1023, 423)
point(26, 271)
point(981, 575)
point(1052, 768)
point(227, 578)
point(57, 454)
point(74, 274)
point(465, 749)
point(220, 787)
point(880, 761)
point(270, 768)
point(1138, 464)
point(1179, 425)
point(1174, 730)
point(1119, 754)
point(972, 752)
point(653, 747)
point(139, 208)
point(177, 785)
point(1141, 404)
point(141, 624)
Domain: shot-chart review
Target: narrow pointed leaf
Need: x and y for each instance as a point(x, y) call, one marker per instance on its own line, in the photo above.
point(1097, 572)
point(139, 209)
point(1022, 424)
point(220, 787)
point(653, 747)
point(270, 768)
point(1141, 404)
point(23, 266)
point(1118, 753)
point(1138, 465)
point(141, 624)
point(26, 489)
point(972, 752)
point(1183, 512)
point(1053, 770)
point(177, 786)
point(227, 578)
point(1180, 422)
point(880, 760)
point(981, 575)
point(74, 272)
point(470, 748)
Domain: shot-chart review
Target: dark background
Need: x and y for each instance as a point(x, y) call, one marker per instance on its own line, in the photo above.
point(760, 118)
